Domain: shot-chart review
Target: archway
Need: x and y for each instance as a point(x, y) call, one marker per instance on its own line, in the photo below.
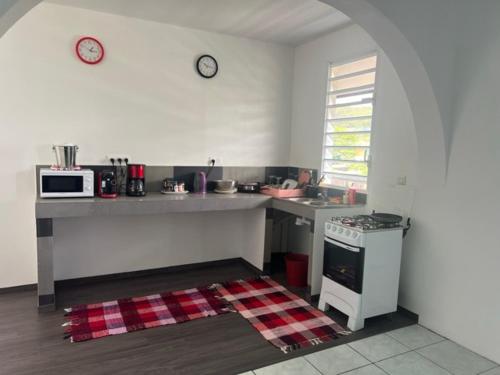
point(432, 145)
point(12, 10)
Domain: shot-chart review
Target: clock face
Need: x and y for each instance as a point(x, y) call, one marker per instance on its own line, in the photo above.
point(207, 66)
point(89, 50)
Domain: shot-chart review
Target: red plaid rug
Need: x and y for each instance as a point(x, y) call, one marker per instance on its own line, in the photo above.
point(86, 322)
point(284, 319)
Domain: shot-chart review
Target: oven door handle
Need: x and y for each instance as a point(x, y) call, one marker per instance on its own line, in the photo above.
point(343, 245)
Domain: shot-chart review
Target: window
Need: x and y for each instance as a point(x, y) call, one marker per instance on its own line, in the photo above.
point(349, 111)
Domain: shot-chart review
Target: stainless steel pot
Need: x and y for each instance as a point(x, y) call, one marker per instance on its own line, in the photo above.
point(249, 187)
point(225, 185)
point(65, 155)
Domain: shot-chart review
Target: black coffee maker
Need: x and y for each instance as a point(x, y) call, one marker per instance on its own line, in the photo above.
point(106, 184)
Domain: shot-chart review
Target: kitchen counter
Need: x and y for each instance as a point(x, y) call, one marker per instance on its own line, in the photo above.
point(248, 211)
point(251, 246)
point(151, 204)
point(157, 204)
point(307, 210)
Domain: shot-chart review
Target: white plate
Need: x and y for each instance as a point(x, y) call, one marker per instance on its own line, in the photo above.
point(289, 184)
point(226, 191)
point(174, 192)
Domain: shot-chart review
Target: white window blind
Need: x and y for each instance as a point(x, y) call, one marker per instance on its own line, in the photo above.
point(349, 111)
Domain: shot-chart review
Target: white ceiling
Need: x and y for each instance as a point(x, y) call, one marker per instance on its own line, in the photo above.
point(289, 22)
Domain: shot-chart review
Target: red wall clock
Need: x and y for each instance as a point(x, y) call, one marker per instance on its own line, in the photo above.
point(89, 50)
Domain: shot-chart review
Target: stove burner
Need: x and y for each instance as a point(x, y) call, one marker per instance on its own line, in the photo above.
point(363, 222)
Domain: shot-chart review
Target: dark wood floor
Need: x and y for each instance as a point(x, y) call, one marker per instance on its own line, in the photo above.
point(31, 343)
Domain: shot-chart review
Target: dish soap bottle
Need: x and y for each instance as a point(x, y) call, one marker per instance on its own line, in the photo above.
point(345, 197)
point(351, 195)
point(200, 182)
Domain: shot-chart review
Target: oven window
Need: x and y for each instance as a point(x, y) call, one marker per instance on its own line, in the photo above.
point(344, 266)
point(62, 184)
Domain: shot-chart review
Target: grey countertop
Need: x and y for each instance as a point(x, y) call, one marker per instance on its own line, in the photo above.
point(157, 204)
point(151, 204)
point(306, 210)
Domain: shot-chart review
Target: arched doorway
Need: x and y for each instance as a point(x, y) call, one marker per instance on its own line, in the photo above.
point(432, 144)
point(12, 10)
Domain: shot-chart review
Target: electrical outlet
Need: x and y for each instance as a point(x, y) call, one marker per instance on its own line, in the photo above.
point(218, 161)
point(116, 157)
point(402, 180)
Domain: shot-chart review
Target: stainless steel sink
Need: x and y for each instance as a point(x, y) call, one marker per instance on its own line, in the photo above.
point(301, 200)
point(317, 203)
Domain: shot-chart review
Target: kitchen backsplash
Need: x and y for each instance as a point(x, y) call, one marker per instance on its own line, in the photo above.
point(187, 174)
point(156, 174)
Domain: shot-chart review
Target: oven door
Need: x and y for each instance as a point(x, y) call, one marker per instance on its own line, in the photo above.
point(344, 264)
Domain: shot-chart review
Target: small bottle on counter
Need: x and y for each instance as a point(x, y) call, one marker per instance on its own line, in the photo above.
point(345, 197)
point(351, 195)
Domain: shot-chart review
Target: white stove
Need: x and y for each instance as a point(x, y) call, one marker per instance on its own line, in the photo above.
point(362, 261)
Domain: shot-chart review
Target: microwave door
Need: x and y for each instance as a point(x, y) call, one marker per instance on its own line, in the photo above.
point(62, 184)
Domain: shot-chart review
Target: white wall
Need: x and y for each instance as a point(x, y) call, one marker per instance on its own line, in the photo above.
point(451, 276)
point(394, 149)
point(450, 271)
point(145, 100)
point(146, 83)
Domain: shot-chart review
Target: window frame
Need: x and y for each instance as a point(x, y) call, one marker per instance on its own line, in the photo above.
point(376, 70)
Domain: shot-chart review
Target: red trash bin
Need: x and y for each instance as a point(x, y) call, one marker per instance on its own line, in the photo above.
point(296, 269)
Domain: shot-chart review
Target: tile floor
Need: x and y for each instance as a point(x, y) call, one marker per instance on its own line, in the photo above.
point(413, 350)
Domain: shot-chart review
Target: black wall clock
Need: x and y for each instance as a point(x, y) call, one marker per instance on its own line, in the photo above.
point(207, 66)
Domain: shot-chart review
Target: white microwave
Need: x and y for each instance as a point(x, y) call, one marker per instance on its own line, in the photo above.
point(66, 183)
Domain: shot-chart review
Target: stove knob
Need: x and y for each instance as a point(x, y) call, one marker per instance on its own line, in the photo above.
point(341, 230)
point(347, 232)
point(355, 234)
point(328, 226)
point(334, 228)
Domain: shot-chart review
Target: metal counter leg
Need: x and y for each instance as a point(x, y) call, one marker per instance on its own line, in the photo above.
point(45, 255)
